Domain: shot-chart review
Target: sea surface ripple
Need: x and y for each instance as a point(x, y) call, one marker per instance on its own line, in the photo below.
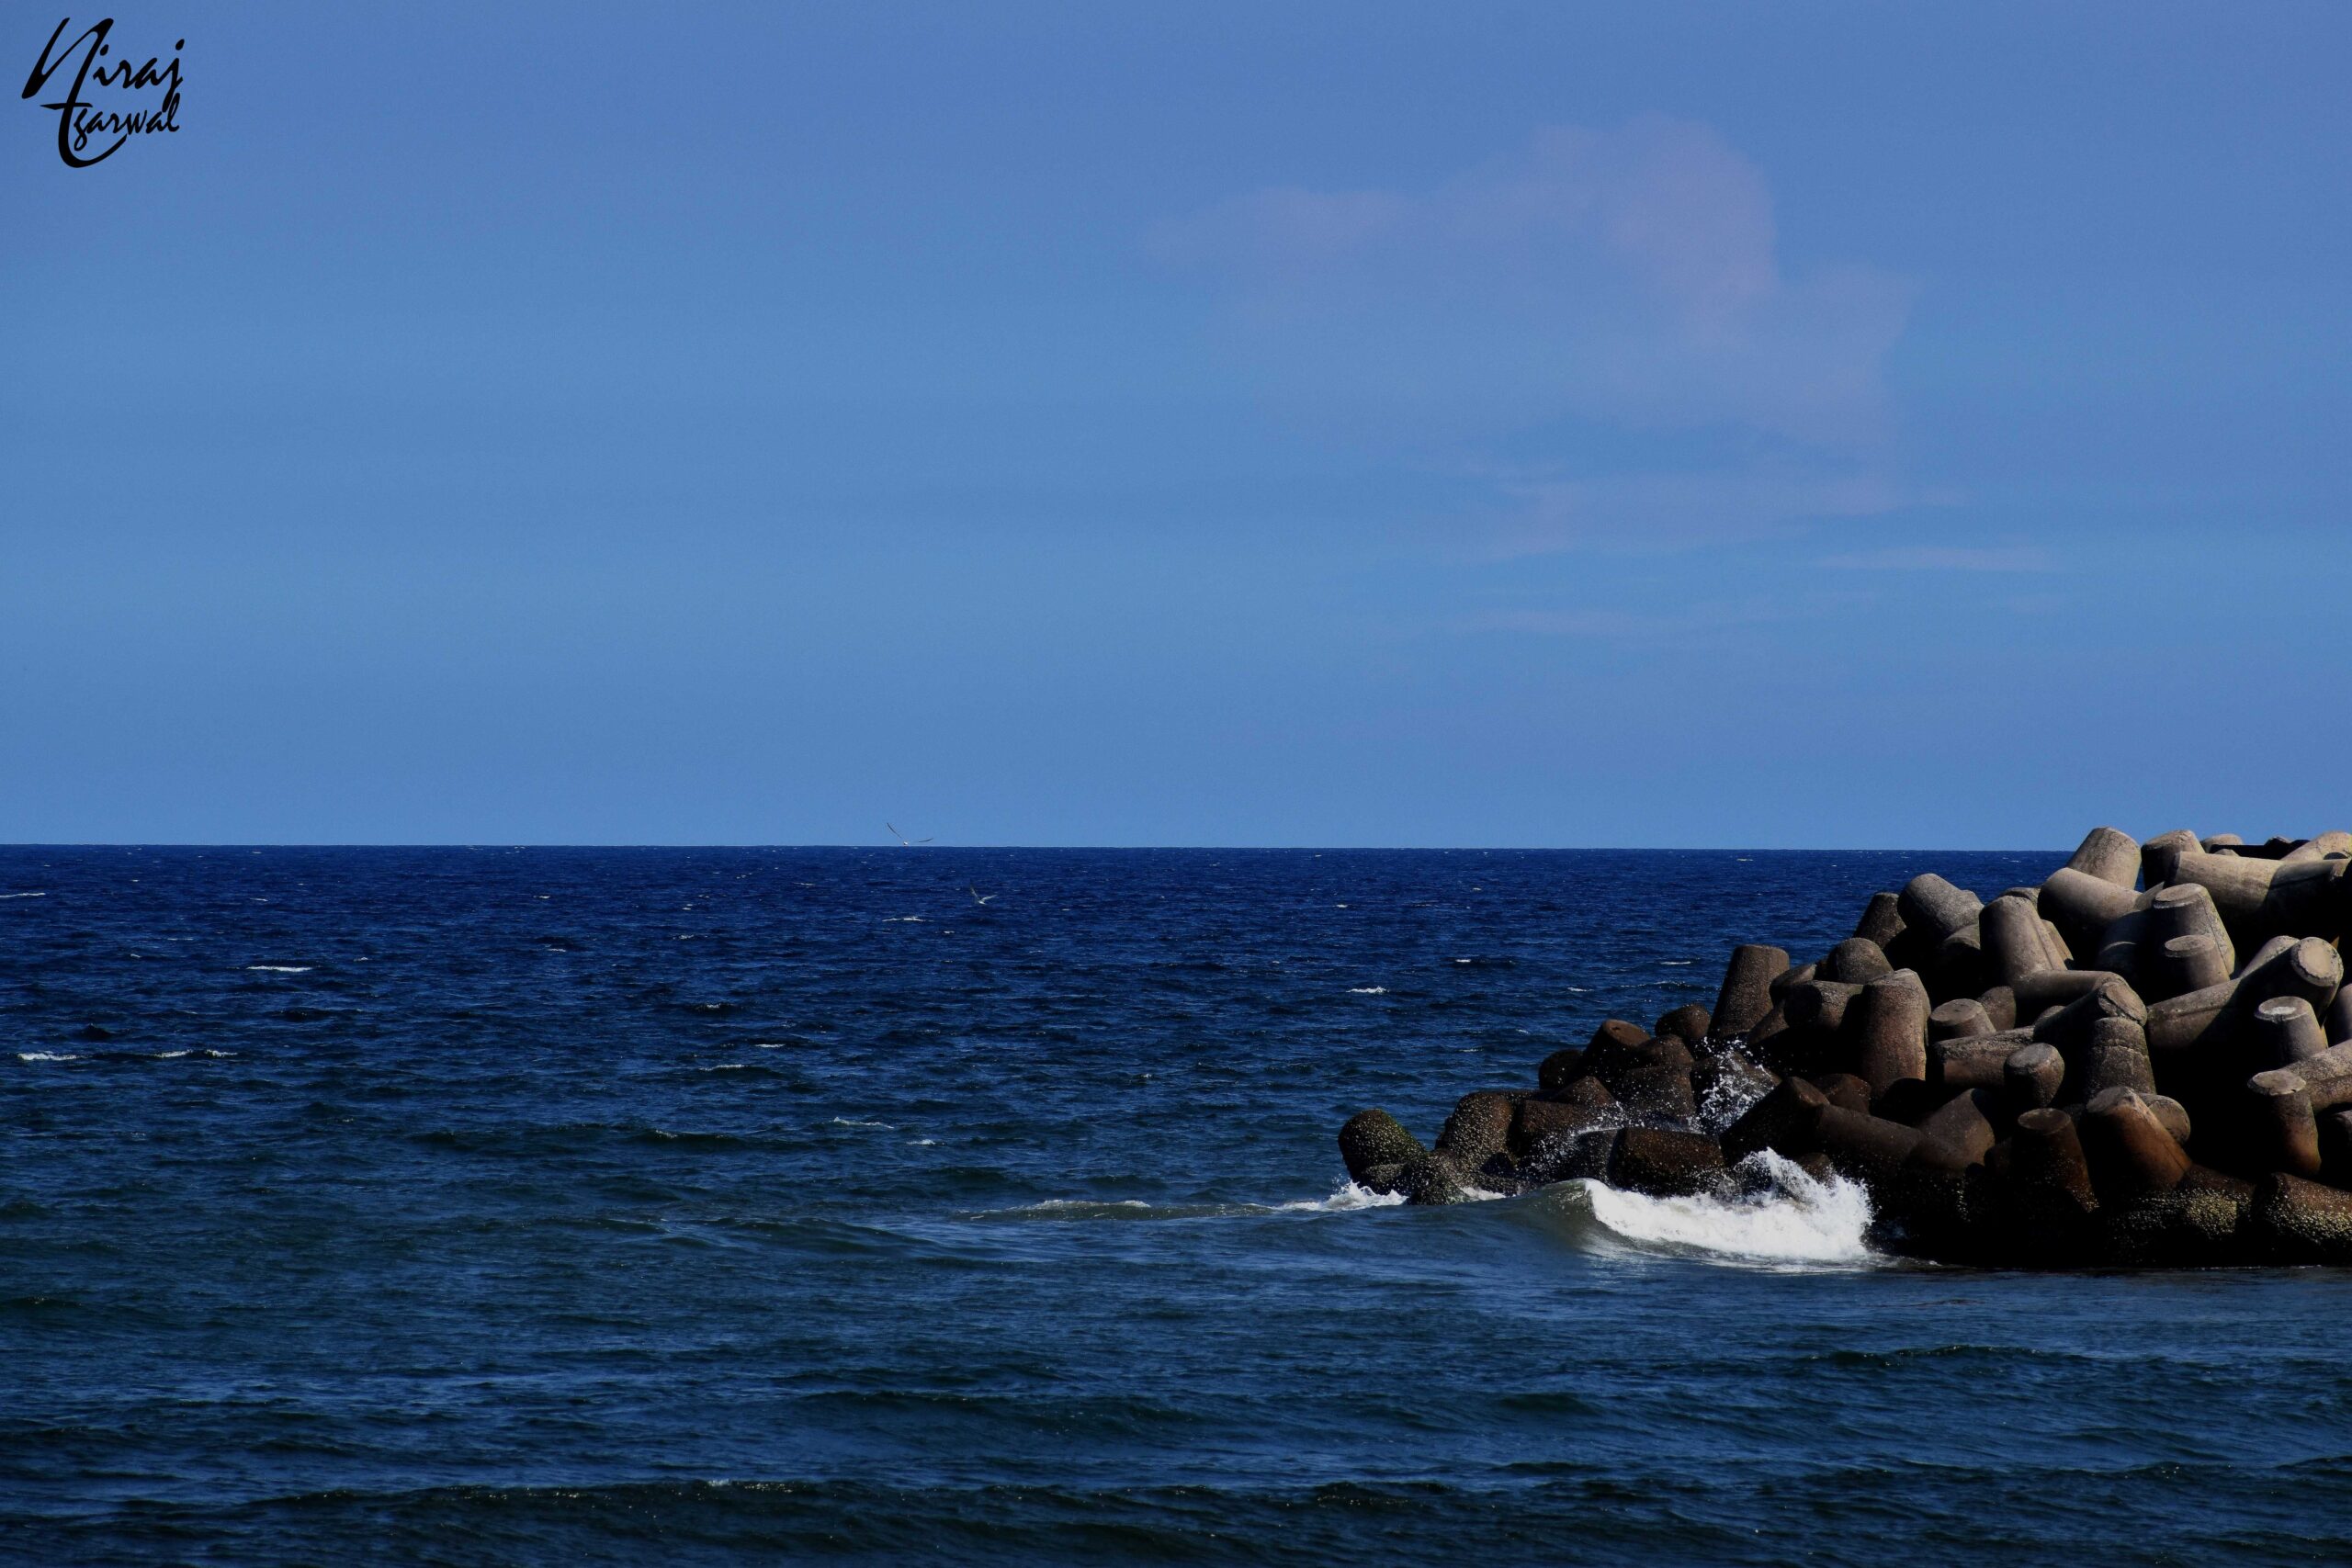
point(616, 1206)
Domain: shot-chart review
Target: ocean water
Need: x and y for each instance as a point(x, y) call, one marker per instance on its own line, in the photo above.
point(488, 1205)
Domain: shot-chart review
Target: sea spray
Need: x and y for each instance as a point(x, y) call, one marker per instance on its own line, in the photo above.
point(1788, 1218)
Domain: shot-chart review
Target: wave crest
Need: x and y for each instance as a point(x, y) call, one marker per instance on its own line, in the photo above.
point(1790, 1219)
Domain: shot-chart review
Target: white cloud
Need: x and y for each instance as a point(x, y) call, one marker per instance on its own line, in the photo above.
point(1626, 280)
point(1630, 273)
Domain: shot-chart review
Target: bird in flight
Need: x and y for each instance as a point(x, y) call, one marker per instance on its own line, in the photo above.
point(909, 843)
point(979, 897)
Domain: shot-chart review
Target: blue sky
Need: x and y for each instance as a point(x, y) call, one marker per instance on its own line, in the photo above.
point(1802, 425)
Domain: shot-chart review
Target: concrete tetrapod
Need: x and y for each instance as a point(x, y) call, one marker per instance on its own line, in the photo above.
point(1373, 1139)
point(1746, 994)
point(2285, 1031)
point(1689, 1023)
point(2013, 940)
point(2282, 1130)
point(1881, 919)
point(1930, 904)
point(2046, 1155)
point(2031, 1076)
point(2129, 1153)
point(1857, 961)
point(2109, 855)
point(1973, 1060)
point(2334, 844)
point(2187, 963)
point(1888, 1025)
point(1959, 1020)
point(2187, 910)
point(2081, 907)
point(2309, 968)
point(2258, 899)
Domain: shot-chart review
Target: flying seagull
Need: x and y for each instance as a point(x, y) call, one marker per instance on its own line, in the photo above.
point(979, 897)
point(909, 843)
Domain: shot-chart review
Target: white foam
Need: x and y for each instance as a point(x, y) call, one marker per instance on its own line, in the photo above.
point(41, 894)
point(169, 1056)
point(1796, 1221)
point(278, 968)
point(48, 1057)
point(1367, 990)
point(852, 1122)
point(1346, 1196)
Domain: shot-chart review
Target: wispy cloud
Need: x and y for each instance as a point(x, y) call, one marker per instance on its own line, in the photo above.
point(1644, 512)
point(1612, 626)
point(1943, 558)
point(1682, 626)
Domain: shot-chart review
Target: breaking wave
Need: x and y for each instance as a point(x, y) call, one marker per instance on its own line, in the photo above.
point(1791, 1221)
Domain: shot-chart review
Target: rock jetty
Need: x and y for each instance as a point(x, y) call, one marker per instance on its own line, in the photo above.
point(2144, 1060)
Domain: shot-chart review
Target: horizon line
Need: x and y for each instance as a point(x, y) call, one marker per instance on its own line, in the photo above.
point(1313, 849)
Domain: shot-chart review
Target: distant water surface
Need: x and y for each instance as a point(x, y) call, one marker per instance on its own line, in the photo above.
point(698, 1206)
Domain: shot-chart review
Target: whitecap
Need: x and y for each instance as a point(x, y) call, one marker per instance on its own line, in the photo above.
point(1343, 1198)
point(219, 1054)
point(924, 1143)
point(1796, 1221)
point(1367, 990)
point(40, 895)
point(770, 1044)
point(48, 1057)
point(1347, 1197)
point(169, 1056)
point(724, 1067)
point(853, 1121)
point(278, 968)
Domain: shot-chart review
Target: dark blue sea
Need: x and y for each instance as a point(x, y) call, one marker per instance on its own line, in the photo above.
point(700, 1206)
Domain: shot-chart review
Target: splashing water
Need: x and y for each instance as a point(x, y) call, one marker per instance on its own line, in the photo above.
point(1347, 1197)
point(1794, 1220)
